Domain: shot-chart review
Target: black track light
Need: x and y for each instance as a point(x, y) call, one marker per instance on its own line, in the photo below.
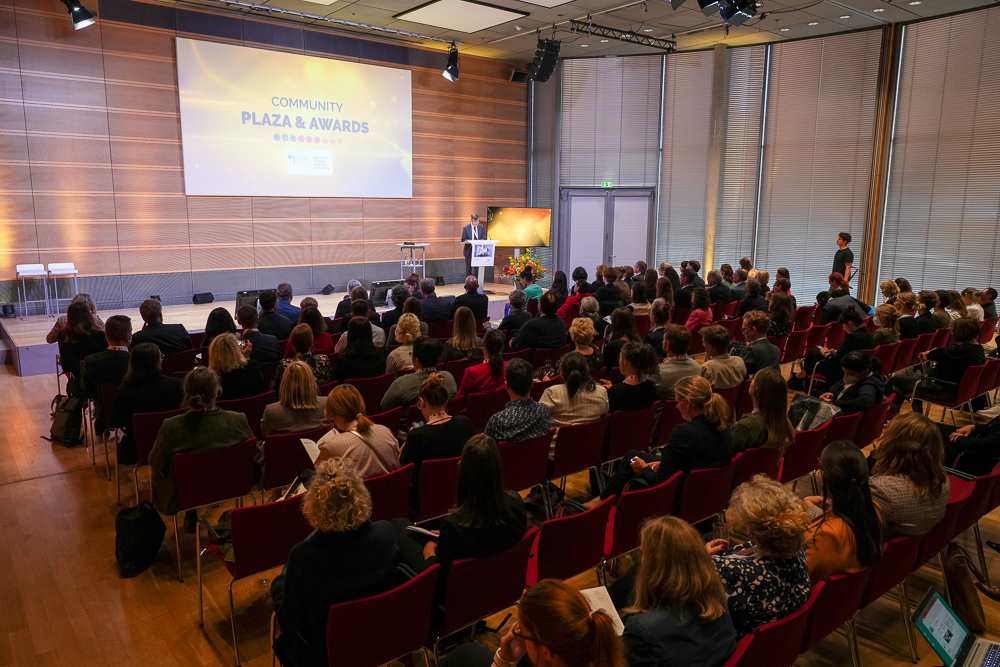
point(451, 71)
point(82, 17)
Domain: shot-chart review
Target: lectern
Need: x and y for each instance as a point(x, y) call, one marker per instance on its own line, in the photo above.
point(483, 252)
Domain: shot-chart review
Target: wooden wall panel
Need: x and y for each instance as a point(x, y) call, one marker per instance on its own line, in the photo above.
point(91, 165)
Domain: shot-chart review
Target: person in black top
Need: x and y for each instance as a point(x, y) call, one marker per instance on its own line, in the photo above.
point(740, 290)
point(753, 299)
point(270, 322)
point(559, 287)
point(344, 308)
point(682, 296)
point(608, 294)
point(702, 442)
point(433, 308)
point(844, 258)
point(144, 389)
point(239, 376)
point(978, 445)
point(348, 557)
point(861, 388)
point(170, 338)
point(661, 318)
point(547, 331)
point(344, 305)
point(623, 330)
point(906, 307)
point(478, 303)
point(638, 364)
point(107, 367)
point(360, 359)
point(826, 362)
point(718, 292)
point(580, 275)
point(518, 315)
point(264, 348)
point(219, 322)
point(598, 279)
point(80, 338)
point(398, 294)
point(487, 518)
point(928, 302)
point(988, 299)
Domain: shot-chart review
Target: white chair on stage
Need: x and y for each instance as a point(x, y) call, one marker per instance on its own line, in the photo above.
point(24, 271)
point(63, 269)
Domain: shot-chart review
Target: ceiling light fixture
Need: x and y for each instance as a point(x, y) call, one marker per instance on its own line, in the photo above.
point(738, 12)
point(915, 2)
point(647, 30)
point(583, 46)
point(879, 9)
point(813, 23)
point(451, 71)
point(81, 16)
point(783, 29)
point(604, 41)
point(846, 16)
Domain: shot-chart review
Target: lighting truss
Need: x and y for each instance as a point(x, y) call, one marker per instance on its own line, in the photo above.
point(622, 35)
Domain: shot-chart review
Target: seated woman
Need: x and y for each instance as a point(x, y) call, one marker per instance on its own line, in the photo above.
point(701, 442)
point(909, 483)
point(888, 330)
point(767, 578)
point(301, 341)
point(360, 359)
point(956, 306)
point(971, 296)
point(826, 362)
point(581, 332)
point(144, 389)
point(754, 299)
point(372, 448)
point(465, 344)
point(623, 330)
point(941, 314)
point(640, 304)
point(239, 376)
point(591, 309)
point(413, 307)
point(487, 518)
point(407, 330)
point(487, 376)
point(781, 312)
point(861, 388)
point(219, 322)
point(639, 366)
point(906, 308)
point(202, 427)
point(763, 278)
point(977, 445)
point(925, 319)
point(664, 294)
point(79, 338)
point(579, 400)
point(678, 615)
point(322, 341)
point(846, 535)
point(768, 425)
point(347, 557)
point(889, 290)
point(299, 408)
point(53, 335)
point(660, 318)
point(441, 436)
point(721, 369)
point(701, 310)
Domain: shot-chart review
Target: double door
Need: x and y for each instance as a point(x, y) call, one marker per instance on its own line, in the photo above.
point(612, 226)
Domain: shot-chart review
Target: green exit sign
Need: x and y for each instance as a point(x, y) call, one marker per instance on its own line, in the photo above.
point(608, 184)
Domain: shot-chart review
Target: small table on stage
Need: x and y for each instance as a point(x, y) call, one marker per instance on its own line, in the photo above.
point(412, 256)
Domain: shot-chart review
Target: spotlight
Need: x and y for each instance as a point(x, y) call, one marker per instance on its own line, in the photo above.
point(675, 4)
point(738, 12)
point(709, 7)
point(451, 71)
point(81, 16)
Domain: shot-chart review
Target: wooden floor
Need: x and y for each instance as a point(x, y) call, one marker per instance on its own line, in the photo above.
point(63, 603)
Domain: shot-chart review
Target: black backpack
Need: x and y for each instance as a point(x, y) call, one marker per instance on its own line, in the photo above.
point(67, 422)
point(139, 534)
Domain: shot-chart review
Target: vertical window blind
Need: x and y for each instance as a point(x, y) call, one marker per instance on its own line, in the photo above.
point(817, 155)
point(942, 213)
point(687, 127)
point(544, 157)
point(610, 121)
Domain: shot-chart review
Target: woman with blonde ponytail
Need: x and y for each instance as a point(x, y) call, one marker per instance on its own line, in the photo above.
point(371, 447)
point(701, 442)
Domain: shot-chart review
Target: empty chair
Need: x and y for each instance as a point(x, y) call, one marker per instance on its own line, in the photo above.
point(550, 356)
point(145, 428)
point(669, 417)
point(632, 509)
point(23, 271)
point(325, 389)
point(179, 362)
point(525, 463)
point(629, 429)
point(443, 330)
point(705, 493)
point(389, 493)
point(795, 346)
point(456, 367)
point(285, 457)
point(776, 644)
point(886, 354)
point(988, 329)
point(538, 388)
point(757, 461)
point(817, 336)
point(582, 450)
point(844, 427)
point(569, 545)
point(904, 355)
point(62, 270)
point(436, 483)
point(890, 572)
point(372, 390)
point(976, 506)
point(872, 422)
point(803, 317)
point(802, 457)
point(252, 407)
point(836, 603)
point(390, 418)
point(835, 336)
point(944, 531)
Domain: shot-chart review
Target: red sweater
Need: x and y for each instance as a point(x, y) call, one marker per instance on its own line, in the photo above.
point(478, 378)
point(567, 307)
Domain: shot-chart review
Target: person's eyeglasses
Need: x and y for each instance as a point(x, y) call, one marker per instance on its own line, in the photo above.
point(520, 636)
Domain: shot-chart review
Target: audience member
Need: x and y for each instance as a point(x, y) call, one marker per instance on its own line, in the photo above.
point(906, 308)
point(412, 283)
point(301, 341)
point(518, 316)
point(926, 320)
point(740, 288)
point(763, 278)
point(767, 578)
point(660, 317)
point(649, 279)
point(581, 332)
point(608, 295)
point(531, 290)
point(758, 352)
point(579, 273)
point(579, 399)
point(522, 418)
point(371, 448)
point(846, 534)
point(405, 389)
point(723, 370)
point(270, 321)
point(941, 314)
point(322, 340)
point(638, 364)
point(682, 296)
point(717, 290)
point(840, 301)
point(347, 307)
point(80, 338)
point(695, 266)
point(768, 425)
point(407, 331)
point(581, 290)
point(781, 314)
point(624, 287)
point(754, 299)
point(623, 330)
point(410, 307)
point(987, 299)
point(640, 305)
point(598, 279)
point(144, 389)
point(299, 407)
point(264, 348)
point(728, 276)
point(239, 377)
point(170, 338)
point(359, 310)
point(956, 306)
point(888, 321)
point(677, 365)
point(783, 286)
point(664, 294)
point(53, 335)
point(433, 308)
point(861, 386)
point(826, 362)
point(747, 267)
point(559, 287)
point(346, 557)
point(398, 295)
point(219, 322)
point(478, 303)
point(488, 375)
point(355, 290)
point(107, 367)
point(360, 359)
point(465, 344)
point(972, 297)
point(701, 311)
point(903, 284)
point(284, 307)
point(547, 331)
point(978, 445)
point(591, 309)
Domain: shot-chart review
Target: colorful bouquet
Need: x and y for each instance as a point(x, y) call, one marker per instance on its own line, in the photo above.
point(518, 263)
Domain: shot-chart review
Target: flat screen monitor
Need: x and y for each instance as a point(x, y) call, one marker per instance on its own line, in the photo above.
point(518, 227)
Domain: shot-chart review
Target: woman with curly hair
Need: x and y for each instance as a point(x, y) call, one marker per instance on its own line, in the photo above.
point(347, 557)
point(407, 330)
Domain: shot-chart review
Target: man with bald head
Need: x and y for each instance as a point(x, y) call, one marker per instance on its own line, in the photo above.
point(472, 299)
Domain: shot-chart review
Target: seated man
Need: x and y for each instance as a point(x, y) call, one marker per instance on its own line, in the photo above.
point(758, 352)
point(523, 418)
point(433, 308)
point(359, 308)
point(782, 286)
point(677, 365)
point(285, 307)
point(531, 290)
point(547, 331)
point(682, 297)
point(344, 305)
point(740, 291)
point(271, 322)
point(412, 283)
point(264, 348)
point(107, 367)
point(170, 338)
point(358, 293)
point(723, 370)
point(404, 389)
point(987, 299)
point(861, 387)
point(717, 290)
point(518, 315)
point(478, 303)
point(978, 445)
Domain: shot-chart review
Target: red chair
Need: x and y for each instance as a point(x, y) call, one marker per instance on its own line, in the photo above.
point(836, 604)
point(252, 407)
point(989, 328)
point(886, 354)
point(400, 618)
point(178, 362)
point(538, 388)
point(835, 337)
point(872, 422)
point(520, 354)
point(725, 310)
point(869, 323)
point(803, 318)
point(680, 316)
point(991, 376)
point(629, 429)
point(373, 390)
point(643, 325)
point(779, 342)
point(262, 537)
point(705, 493)
point(697, 342)
point(844, 427)
point(669, 417)
point(436, 486)
point(732, 326)
point(904, 355)
point(479, 407)
point(525, 463)
point(802, 457)
point(795, 347)
point(941, 337)
point(145, 428)
point(736, 659)
point(817, 336)
point(390, 418)
point(532, 307)
point(197, 338)
point(457, 368)
point(551, 356)
point(968, 389)
point(479, 587)
point(944, 531)
point(569, 545)
point(581, 451)
point(757, 461)
point(744, 402)
point(776, 644)
point(285, 457)
point(615, 375)
point(731, 395)
point(390, 493)
point(204, 478)
point(975, 508)
point(441, 329)
point(924, 343)
point(632, 509)
point(890, 572)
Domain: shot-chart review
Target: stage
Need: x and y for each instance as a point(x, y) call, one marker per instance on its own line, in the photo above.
point(25, 347)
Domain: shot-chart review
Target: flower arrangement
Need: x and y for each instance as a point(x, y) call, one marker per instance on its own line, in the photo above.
point(518, 263)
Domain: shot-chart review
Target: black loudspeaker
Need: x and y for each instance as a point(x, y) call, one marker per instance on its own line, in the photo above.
point(542, 66)
point(155, 297)
point(8, 311)
point(439, 280)
point(204, 297)
point(518, 76)
point(328, 290)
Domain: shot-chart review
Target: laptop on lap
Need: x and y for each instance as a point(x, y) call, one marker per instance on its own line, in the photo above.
point(948, 636)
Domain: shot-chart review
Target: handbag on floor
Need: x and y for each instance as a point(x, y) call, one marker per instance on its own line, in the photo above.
point(808, 412)
point(139, 535)
point(67, 424)
point(962, 591)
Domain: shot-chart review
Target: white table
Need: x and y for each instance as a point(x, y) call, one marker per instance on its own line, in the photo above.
point(412, 256)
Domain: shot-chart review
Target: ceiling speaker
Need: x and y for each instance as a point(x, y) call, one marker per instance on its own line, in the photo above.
point(546, 56)
point(518, 76)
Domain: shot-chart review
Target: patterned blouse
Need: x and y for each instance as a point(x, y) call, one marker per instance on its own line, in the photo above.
point(519, 420)
point(762, 590)
point(319, 363)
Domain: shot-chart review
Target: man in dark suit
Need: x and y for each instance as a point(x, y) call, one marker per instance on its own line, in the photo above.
point(107, 367)
point(285, 307)
point(433, 308)
point(547, 331)
point(399, 294)
point(170, 338)
point(344, 306)
point(517, 316)
point(412, 283)
point(759, 352)
point(717, 290)
point(740, 291)
point(271, 322)
point(471, 232)
point(682, 299)
point(264, 348)
point(478, 303)
point(695, 266)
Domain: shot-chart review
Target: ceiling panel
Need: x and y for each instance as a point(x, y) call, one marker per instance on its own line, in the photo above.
point(460, 15)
